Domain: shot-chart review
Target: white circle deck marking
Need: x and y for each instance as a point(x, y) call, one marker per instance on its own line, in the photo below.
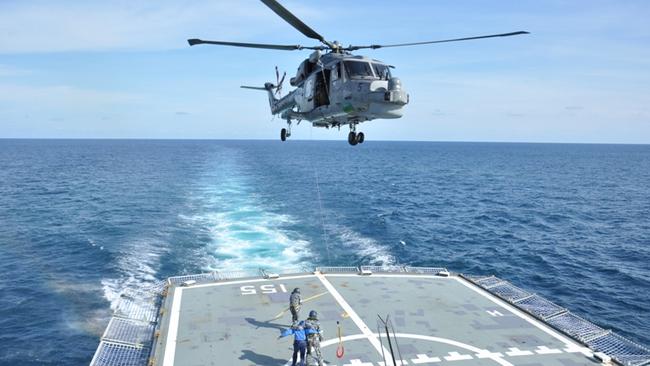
point(450, 342)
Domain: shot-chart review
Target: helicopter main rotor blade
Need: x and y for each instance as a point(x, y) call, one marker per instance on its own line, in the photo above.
point(253, 87)
point(195, 41)
point(375, 46)
point(294, 21)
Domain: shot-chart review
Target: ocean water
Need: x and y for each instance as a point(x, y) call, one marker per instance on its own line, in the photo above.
point(82, 220)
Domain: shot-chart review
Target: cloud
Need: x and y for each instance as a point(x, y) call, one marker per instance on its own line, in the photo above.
point(64, 96)
point(8, 71)
point(49, 26)
point(437, 112)
point(574, 108)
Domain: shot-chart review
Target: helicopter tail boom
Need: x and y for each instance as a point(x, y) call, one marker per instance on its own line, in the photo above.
point(252, 87)
point(269, 88)
point(277, 105)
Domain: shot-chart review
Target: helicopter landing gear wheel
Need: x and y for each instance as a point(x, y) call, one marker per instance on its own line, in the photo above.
point(286, 132)
point(360, 137)
point(352, 138)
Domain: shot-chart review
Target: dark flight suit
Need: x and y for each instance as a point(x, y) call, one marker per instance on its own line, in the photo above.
point(314, 338)
point(294, 305)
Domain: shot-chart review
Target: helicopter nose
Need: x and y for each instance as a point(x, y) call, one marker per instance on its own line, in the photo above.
point(394, 84)
point(398, 97)
point(396, 94)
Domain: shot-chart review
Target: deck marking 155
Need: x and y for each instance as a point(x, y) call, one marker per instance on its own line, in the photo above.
point(264, 289)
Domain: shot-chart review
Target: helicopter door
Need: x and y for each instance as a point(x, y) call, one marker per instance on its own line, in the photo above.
point(321, 88)
point(336, 75)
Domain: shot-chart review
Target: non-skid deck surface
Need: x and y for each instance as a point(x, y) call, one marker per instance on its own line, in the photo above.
point(437, 320)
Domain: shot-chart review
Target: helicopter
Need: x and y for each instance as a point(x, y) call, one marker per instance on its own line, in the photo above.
point(333, 87)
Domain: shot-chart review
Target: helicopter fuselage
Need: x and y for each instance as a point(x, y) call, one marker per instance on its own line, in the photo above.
point(336, 89)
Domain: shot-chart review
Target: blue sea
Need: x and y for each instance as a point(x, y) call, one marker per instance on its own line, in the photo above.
point(82, 220)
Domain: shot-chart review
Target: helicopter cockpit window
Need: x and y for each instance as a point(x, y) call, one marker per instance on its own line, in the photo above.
point(358, 69)
point(382, 71)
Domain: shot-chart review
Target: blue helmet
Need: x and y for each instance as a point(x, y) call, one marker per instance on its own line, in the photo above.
point(313, 314)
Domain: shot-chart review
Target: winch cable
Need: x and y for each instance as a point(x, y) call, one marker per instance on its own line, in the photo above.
point(320, 204)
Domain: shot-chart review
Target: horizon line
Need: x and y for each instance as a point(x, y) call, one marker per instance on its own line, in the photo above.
point(320, 140)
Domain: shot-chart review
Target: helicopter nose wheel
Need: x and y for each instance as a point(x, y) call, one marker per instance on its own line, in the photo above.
point(286, 132)
point(360, 137)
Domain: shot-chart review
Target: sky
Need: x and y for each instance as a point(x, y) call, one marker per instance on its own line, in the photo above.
point(123, 69)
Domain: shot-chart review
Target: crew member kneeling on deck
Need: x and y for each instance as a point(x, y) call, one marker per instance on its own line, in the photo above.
point(314, 336)
point(299, 341)
point(294, 305)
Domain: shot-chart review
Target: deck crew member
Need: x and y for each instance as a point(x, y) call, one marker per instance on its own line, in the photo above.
point(314, 336)
point(295, 301)
point(299, 341)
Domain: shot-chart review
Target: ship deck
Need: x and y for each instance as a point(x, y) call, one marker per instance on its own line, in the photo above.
point(436, 320)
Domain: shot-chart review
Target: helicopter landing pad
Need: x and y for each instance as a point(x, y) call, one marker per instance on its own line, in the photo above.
point(435, 321)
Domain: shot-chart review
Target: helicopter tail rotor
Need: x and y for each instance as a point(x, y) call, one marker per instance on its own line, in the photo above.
point(279, 81)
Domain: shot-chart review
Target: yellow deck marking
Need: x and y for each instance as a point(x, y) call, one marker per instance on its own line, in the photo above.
point(280, 314)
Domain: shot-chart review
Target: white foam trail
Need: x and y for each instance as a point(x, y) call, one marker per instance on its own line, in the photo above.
point(246, 232)
point(368, 248)
point(251, 238)
point(137, 266)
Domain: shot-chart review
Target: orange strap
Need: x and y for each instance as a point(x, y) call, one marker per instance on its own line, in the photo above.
point(339, 350)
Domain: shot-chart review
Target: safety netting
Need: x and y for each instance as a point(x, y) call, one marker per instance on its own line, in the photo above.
point(337, 269)
point(129, 336)
point(384, 269)
point(129, 331)
point(425, 270)
point(598, 339)
point(540, 307)
point(119, 354)
point(508, 291)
